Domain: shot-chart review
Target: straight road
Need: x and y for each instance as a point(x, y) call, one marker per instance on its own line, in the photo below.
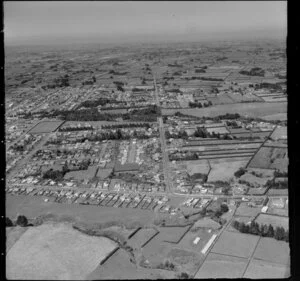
point(165, 158)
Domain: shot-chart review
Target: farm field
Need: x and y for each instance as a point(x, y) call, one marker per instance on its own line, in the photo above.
point(218, 130)
point(197, 166)
point(214, 142)
point(172, 234)
point(71, 254)
point(278, 116)
point(235, 244)
point(280, 132)
point(273, 220)
point(258, 269)
point(255, 109)
point(224, 169)
point(45, 127)
point(270, 158)
point(220, 266)
point(246, 211)
point(141, 237)
point(269, 249)
point(33, 206)
point(118, 266)
point(13, 234)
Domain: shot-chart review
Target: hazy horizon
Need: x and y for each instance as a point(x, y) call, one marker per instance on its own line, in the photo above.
point(29, 23)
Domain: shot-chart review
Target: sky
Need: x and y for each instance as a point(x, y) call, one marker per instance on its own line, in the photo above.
point(108, 21)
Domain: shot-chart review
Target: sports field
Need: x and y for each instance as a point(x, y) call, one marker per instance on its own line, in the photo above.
point(45, 127)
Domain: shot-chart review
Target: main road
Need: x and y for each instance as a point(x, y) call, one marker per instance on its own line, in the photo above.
point(165, 159)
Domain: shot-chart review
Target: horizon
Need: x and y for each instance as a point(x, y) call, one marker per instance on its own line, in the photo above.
point(56, 23)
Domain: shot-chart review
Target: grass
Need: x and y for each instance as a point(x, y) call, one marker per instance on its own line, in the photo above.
point(255, 109)
point(34, 206)
point(273, 220)
point(55, 251)
point(235, 244)
point(219, 266)
point(45, 127)
point(262, 269)
point(269, 249)
point(246, 211)
point(224, 169)
point(13, 234)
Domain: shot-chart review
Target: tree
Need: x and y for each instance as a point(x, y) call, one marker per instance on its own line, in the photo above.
point(224, 208)
point(270, 231)
point(22, 221)
point(8, 222)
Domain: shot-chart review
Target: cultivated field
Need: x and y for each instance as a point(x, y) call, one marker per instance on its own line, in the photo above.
point(141, 237)
point(56, 252)
point(235, 244)
point(45, 127)
point(220, 266)
point(273, 220)
point(258, 269)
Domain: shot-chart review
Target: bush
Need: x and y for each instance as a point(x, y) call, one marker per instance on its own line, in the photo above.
point(240, 172)
point(22, 221)
point(8, 222)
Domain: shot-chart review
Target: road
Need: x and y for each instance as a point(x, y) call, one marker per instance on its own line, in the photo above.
point(165, 158)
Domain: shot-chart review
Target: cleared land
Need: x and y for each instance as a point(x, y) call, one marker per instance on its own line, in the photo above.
point(220, 266)
point(269, 249)
point(258, 269)
point(45, 127)
point(273, 220)
point(55, 252)
point(235, 244)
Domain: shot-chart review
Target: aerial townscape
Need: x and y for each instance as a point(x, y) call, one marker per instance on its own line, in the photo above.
point(147, 161)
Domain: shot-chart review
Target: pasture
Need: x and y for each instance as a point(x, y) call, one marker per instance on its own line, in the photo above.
point(224, 169)
point(269, 249)
point(220, 266)
point(259, 269)
point(273, 220)
point(57, 252)
point(235, 244)
point(45, 127)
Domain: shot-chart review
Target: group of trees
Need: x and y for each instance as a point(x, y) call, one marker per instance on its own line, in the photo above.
point(21, 221)
point(255, 71)
point(240, 172)
point(98, 102)
point(127, 125)
point(279, 233)
point(59, 82)
point(277, 184)
point(72, 129)
point(199, 104)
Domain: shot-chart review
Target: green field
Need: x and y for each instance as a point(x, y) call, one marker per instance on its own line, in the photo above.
point(273, 220)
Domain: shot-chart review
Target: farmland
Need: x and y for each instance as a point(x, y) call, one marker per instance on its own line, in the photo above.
point(273, 220)
point(235, 244)
point(220, 266)
point(45, 127)
point(71, 254)
point(250, 109)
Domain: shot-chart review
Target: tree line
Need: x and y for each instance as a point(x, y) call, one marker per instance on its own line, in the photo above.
point(264, 230)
